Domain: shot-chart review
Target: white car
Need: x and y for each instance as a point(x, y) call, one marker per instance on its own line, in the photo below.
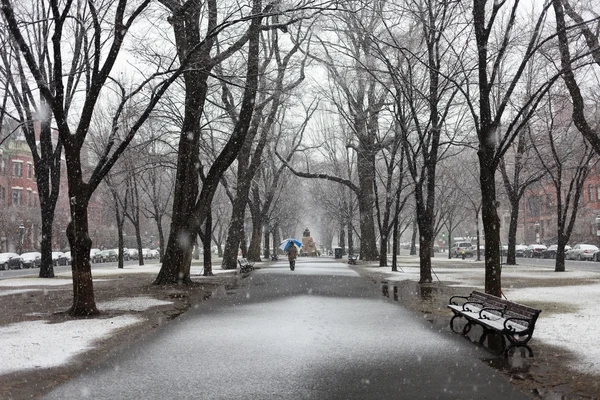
point(32, 259)
point(581, 252)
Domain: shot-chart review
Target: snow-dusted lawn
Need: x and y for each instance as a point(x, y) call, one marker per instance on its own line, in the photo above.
point(38, 344)
point(575, 331)
point(132, 303)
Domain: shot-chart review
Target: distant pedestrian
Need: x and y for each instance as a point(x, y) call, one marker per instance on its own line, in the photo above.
point(292, 253)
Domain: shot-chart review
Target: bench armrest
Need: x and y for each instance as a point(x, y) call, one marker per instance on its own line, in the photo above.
point(489, 309)
point(451, 301)
point(511, 328)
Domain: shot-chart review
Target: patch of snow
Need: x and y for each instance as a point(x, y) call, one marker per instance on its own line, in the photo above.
point(17, 291)
point(128, 269)
point(574, 330)
point(34, 282)
point(132, 303)
point(39, 344)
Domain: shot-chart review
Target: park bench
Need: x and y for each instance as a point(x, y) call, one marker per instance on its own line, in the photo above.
point(513, 322)
point(352, 258)
point(245, 266)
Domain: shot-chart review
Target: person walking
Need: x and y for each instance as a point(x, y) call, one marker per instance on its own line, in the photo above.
point(292, 253)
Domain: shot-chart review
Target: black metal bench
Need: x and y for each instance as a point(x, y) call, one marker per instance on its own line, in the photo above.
point(352, 258)
point(245, 266)
point(513, 322)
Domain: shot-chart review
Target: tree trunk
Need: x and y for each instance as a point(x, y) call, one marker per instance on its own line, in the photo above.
point(276, 240)
point(84, 303)
point(395, 245)
point(266, 241)
point(342, 241)
point(383, 247)
point(491, 225)
point(511, 257)
point(138, 242)
point(351, 237)
point(46, 267)
point(121, 257)
point(425, 245)
point(206, 241)
point(161, 238)
point(178, 253)
point(366, 205)
point(413, 239)
point(235, 233)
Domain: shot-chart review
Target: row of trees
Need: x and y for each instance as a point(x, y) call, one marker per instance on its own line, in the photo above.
point(404, 89)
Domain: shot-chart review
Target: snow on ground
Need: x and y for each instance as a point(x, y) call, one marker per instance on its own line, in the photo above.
point(18, 282)
point(572, 326)
point(17, 291)
point(39, 344)
point(576, 331)
point(132, 303)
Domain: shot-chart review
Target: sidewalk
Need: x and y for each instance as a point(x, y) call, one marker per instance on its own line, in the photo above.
point(41, 347)
point(567, 358)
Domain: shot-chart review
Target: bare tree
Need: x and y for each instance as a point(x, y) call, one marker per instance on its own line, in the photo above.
point(108, 25)
point(495, 131)
point(567, 161)
point(588, 129)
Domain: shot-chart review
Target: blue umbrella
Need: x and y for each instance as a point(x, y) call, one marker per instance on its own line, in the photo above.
point(285, 244)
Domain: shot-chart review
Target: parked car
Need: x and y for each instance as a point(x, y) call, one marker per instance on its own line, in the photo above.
point(133, 254)
point(125, 254)
point(10, 261)
point(550, 252)
point(154, 254)
point(68, 257)
point(457, 249)
point(32, 259)
point(105, 256)
point(92, 253)
point(534, 251)
point(520, 250)
point(581, 252)
point(58, 258)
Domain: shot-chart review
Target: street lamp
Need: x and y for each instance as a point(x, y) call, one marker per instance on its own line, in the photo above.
point(21, 235)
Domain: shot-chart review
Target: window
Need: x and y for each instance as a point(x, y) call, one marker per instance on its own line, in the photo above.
point(17, 196)
point(590, 193)
point(2, 167)
point(29, 198)
point(2, 194)
point(597, 192)
point(17, 168)
point(29, 170)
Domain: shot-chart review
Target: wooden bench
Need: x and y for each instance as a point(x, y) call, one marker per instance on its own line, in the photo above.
point(245, 266)
point(352, 258)
point(513, 322)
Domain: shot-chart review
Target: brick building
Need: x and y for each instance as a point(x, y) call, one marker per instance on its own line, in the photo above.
point(539, 217)
point(20, 218)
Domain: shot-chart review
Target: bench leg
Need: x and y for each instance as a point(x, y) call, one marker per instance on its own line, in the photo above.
point(467, 328)
point(452, 322)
